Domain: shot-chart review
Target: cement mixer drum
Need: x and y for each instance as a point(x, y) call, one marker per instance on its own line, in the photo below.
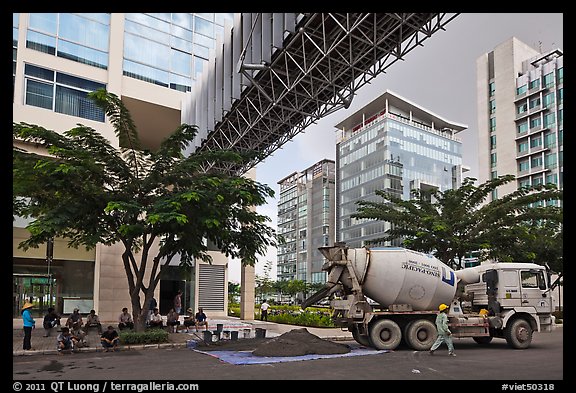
point(394, 275)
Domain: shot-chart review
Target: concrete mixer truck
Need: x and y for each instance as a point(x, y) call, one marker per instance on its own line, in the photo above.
point(492, 300)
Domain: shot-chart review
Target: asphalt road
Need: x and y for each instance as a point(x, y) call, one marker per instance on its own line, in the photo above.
point(542, 362)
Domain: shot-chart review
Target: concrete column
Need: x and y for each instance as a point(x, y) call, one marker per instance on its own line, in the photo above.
point(247, 292)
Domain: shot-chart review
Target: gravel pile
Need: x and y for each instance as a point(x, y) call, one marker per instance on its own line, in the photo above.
point(298, 342)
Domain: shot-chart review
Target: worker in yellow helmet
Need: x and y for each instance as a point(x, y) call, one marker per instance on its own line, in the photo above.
point(444, 333)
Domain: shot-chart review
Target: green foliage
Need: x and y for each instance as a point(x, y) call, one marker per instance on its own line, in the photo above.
point(233, 293)
point(293, 315)
point(234, 310)
point(89, 192)
point(150, 336)
point(307, 317)
point(456, 222)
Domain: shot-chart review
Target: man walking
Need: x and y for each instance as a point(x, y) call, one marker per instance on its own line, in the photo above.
point(264, 311)
point(444, 333)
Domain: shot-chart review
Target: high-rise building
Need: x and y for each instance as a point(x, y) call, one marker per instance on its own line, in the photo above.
point(395, 145)
point(150, 61)
point(520, 115)
point(306, 221)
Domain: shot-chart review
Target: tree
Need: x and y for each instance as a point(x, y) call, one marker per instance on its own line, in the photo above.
point(264, 284)
point(233, 292)
point(89, 192)
point(539, 242)
point(453, 223)
point(296, 286)
point(281, 288)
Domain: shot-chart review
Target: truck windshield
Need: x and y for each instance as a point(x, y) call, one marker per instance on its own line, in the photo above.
point(533, 279)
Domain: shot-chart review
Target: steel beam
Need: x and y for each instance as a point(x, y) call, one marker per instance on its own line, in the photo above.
point(324, 59)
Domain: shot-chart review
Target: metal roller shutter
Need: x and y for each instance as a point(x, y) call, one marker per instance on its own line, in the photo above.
point(211, 287)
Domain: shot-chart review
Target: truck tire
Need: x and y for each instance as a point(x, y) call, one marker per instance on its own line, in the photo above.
point(362, 340)
point(420, 334)
point(518, 334)
point(385, 334)
point(484, 340)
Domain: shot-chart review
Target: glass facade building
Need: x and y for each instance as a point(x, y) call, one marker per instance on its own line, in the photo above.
point(520, 100)
point(394, 145)
point(306, 221)
point(150, 60)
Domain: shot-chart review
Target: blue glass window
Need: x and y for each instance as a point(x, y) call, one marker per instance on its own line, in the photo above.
point(145, 73)
point(162, 48)
point(147, 20)
point(83, 31)
point(39, 72)
point(181, 63)
point(83, 38)
point(61, 92)
point(147, 52)
point(182, 20)
point(202, 26)
point(76, 103)
point(549, 80)
point(39, 94)
point(521, 90)
point(47, 23)
point(82, 54)
point(41, 42)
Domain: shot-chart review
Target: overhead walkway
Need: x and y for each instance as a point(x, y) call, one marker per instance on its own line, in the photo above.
point(315, 69)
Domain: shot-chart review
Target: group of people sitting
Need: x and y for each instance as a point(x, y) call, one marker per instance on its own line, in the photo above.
point(68, 341)
point(72, 334)
point(197, 320)
point(155, 320)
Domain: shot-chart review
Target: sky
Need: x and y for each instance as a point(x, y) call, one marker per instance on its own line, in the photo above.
point(439, 76)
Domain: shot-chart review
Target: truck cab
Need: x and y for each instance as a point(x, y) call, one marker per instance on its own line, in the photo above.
point(511, 291)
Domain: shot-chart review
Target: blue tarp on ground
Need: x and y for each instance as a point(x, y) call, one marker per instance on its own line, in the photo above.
point(246, 357)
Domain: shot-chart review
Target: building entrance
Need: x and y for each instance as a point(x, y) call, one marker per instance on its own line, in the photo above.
point(38, 289)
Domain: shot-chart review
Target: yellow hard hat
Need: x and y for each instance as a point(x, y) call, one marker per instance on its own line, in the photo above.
point(442, 307)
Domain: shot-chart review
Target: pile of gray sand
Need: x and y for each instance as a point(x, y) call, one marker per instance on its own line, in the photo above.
point(298, 342)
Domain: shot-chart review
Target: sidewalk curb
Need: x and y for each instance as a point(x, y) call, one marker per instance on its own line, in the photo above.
point(96, 350)
point(135, 347)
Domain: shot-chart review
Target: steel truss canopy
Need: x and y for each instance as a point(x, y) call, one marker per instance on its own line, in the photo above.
point(275, 74)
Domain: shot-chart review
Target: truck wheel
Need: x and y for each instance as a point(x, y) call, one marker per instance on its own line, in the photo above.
point(385, 334)
point(362, 340)
point(518, 334)
point(420, 334)
point(484, 340)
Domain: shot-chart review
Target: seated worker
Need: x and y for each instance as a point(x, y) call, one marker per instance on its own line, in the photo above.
point(189, 320)
point(156, 320)
point(80, 339)
point(125, 320)
point(51, 320)
point(74, 321)
point(65, 341)
point(172, 321)
point(201, 319)
point(92, 320)
point(110, 339)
